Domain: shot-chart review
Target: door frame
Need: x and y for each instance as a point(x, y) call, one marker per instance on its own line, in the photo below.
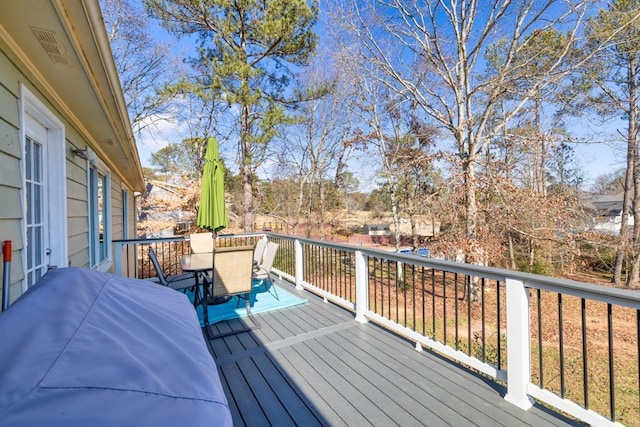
point(54, 151)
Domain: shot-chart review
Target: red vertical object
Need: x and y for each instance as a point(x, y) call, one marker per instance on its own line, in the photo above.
point(6, 251)
point(6, 272)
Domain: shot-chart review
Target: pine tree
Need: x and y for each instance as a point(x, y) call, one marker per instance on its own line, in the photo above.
point(250, 50)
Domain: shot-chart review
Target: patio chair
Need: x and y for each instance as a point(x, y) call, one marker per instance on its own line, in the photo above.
point(233, 267)
point(179, 282)
point(258, 252)
point(201, 242)
point(263, 272)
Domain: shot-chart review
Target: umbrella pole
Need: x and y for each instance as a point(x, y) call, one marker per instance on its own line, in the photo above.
point(214, 236)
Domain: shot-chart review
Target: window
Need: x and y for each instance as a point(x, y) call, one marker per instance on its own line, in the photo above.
point(99, 224)
point(36, 214)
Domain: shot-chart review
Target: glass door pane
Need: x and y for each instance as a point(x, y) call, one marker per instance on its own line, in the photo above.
point(34, 185)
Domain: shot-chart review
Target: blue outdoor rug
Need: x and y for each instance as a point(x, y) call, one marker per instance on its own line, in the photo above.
point(261, 301)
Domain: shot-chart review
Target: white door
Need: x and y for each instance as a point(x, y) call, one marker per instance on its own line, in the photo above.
point(37, 245)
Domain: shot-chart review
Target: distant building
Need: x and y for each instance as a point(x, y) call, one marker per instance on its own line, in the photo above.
point(161, 214)
point(376, 230)
point(607, 212)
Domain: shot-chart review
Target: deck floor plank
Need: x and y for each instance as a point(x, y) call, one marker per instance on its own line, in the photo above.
point(287, 393)
point(313, 375)
point(265, 395)
point(248, 410)
point(399, 384)
point(385, 395)
point(452, 407)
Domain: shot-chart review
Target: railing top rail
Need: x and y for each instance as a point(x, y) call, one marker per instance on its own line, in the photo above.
point(625, 297)
point(180, 238)
point(151, 240)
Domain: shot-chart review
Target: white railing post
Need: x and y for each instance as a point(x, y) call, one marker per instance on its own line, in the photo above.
point(362, 287)
point(518, 344)
point(117, 259)
point(299, 266)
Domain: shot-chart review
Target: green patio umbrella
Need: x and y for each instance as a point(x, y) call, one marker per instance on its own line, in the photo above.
point(212, 213)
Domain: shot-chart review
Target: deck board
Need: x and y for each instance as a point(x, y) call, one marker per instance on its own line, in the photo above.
point(315, 365)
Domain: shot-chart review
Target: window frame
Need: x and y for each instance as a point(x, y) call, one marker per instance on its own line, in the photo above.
point(96, 170)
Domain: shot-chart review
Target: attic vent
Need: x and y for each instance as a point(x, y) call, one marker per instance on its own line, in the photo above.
point(49, 43)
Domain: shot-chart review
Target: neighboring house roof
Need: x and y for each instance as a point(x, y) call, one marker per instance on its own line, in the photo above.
point(63, 46)
point(173, 189)
point(604, 204)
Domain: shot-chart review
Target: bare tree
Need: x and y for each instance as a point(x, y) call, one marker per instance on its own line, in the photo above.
point(144, 64)
point(312, 150)
point(380, 126)
point(434, 54)
point(616, 71)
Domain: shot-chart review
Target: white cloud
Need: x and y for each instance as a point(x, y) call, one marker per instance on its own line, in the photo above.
point(159, 131)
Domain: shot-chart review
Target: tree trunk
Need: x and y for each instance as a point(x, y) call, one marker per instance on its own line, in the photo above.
point(634, 276)
point(472, 255)
point(322, 208)
point(298, 213)
point(470, 206)
point(512, 256)
point(629, 181)
point(396, 214)
point(247, 178)
point(412, 222)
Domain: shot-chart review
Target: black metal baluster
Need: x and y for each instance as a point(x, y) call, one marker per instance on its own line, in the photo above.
point(337, 273)
point(325, 270)
point(499, 338)
point(375, 288)
point(585, 376)
point(311, 265)
point(316, 266)
point(321, 269)
point(467, 281)
point(433, 304)
point(540, 367)
point(612, 389)
point(413, 291)
point(444, 307)
point(404, 291)
point(561, 344)
point(337, 270)
point(424, 323)
point(484, 346)
point(388, 286)
point(383, 289)
point(320, 278)
point(396, 279)
point(455, 292)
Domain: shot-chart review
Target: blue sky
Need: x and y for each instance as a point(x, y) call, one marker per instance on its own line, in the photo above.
point(603, 153)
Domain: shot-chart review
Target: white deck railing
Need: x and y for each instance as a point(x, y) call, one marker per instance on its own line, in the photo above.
point(571, 345)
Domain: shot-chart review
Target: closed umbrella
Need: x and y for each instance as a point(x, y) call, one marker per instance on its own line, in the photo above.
point(212, 213)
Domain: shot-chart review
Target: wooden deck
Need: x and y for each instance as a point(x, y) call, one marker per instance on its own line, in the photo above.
point(315, 365)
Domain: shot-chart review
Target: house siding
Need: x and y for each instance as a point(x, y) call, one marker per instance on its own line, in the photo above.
point(11, 203)
point(10, 177)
